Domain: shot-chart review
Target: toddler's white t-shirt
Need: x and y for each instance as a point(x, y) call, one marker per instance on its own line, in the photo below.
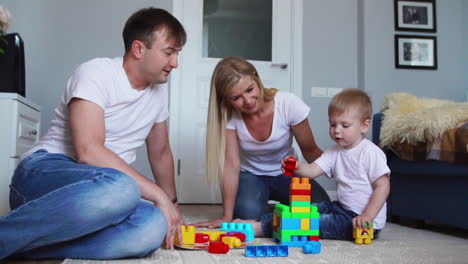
point(354, 171)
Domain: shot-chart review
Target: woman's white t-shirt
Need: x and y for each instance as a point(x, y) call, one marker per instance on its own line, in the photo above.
point(129, 114)
point(264, 157)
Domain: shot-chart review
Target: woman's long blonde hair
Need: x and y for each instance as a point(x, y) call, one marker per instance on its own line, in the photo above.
point(227, 73)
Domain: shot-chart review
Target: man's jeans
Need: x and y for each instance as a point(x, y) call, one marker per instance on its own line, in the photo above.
point(62, 209)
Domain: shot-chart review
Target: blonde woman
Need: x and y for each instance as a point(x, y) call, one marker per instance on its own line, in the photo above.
point(250, 130)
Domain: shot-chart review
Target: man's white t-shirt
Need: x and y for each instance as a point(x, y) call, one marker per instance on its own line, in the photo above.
point(354, 171)
point(129, 114)
point(264, 157)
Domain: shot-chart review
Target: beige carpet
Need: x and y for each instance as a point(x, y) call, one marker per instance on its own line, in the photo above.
point(397, 244)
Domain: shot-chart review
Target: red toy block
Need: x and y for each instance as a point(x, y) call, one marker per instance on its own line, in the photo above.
point(300, 192)
point(289, 166)
point(239, 235)
point(314, 238)
point(201, 238)
point(218, 248)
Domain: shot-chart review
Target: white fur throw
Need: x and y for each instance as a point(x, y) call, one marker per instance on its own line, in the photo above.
point(411, 120)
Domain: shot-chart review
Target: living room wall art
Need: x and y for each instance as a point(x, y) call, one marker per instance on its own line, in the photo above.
point(415, 15)
point(416, 52)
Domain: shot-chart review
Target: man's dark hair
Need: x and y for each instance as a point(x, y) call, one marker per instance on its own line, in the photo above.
point(142, 25)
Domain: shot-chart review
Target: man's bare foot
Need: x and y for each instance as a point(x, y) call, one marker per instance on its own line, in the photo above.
point(257, 226)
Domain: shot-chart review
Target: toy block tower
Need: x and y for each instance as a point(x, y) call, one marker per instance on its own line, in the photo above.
point(298, 223)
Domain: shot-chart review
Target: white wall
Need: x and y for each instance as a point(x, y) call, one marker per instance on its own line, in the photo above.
point(350, 43)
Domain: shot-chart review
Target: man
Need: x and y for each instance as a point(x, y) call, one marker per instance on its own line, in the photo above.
point(74, 195)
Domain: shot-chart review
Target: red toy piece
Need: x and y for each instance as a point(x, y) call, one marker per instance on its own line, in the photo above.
point(289, 166)
point(239, 235)
point(201, 238)
point(218, 248)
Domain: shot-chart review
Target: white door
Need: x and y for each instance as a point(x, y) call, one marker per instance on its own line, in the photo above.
point(258, 30)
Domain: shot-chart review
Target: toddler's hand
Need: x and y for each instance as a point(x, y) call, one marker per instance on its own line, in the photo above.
point(289, 164)
point(362, 222)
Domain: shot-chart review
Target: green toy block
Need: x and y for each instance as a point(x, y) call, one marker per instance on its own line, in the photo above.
point(299, 232)
point(313, 209)
point(282, 208)
point(300, 215)
point(300, 204)
point(314, 215)
point(284, 238)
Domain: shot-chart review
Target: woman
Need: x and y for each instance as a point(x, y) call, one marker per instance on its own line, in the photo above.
point(250, 130)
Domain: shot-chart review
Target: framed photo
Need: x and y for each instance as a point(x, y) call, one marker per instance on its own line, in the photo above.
point(415, 52)
point(415, 15)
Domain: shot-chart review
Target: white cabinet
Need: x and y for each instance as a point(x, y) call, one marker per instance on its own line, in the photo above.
point(20, 125)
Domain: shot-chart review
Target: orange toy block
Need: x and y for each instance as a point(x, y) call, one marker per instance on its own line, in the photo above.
point(299, 198)
point(300, 184)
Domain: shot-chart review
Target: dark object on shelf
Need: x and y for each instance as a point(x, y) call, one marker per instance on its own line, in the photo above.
point(12, 68)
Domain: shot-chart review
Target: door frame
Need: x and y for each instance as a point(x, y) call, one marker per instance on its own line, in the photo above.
point(175, 90)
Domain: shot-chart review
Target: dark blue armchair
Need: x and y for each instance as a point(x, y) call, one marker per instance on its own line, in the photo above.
point(431, 190)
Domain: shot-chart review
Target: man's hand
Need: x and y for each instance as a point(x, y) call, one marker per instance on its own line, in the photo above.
point(174, 221)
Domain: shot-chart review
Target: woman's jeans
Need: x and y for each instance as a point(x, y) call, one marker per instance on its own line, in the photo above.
point(254, 192)
point(62, 209)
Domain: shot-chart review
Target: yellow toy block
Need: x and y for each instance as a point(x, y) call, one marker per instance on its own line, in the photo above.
point(363, 235)
point(232, 241)
point(296, 209)
point(214, 235)
point(300, 198)
point(188, 235)
point(305, 223)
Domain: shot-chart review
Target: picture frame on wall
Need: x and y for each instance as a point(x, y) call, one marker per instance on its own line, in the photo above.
point(415, 15)
point(415, 52)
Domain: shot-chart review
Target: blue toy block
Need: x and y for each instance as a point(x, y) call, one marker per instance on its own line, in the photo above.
point(239, 227)
point(312, 247)
point(296, 241)
point(314, 224)
point(266, 251)
point(290, 224)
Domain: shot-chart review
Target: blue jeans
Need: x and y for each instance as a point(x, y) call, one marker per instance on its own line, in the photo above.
point(335, 222)
point(254, 191)
point(62, 209)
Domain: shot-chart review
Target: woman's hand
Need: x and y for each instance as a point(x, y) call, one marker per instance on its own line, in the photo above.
point(213, 223)
point(174, 221)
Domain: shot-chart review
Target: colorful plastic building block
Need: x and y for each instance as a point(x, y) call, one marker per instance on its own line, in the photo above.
point(201, 238)
point(239, 235)
point(213, 234)
point(266, 251)
point(188, 235)
point(298, 223)
point(289, 166)
point(232, 242)
point(363, 235)
point(239, 227)
point(218, 248)
point(312, 247)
